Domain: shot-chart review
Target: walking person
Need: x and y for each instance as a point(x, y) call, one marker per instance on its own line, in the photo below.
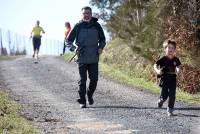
point(36, 38)
point(67, 31)
point(167, 67)
point(90, 41)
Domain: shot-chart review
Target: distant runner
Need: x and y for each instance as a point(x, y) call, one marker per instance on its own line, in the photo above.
point(36, 37)
point(67, 31)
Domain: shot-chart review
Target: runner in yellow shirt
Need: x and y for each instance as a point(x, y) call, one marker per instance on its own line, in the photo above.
point(36, 37)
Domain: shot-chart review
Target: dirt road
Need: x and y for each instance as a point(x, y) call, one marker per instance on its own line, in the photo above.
point(48, 93)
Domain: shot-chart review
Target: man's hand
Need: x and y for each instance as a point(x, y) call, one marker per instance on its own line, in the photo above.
point(72, 47)
point(30, 37)
point(78, 51)
point(100, 50)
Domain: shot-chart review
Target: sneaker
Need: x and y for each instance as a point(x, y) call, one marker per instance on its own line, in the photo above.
point(160, 103)
point(170, 111)
point(170, 114)
point(90, 99)
point(82, 105)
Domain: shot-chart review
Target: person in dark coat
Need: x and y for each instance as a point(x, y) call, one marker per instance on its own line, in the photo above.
point(90, 42)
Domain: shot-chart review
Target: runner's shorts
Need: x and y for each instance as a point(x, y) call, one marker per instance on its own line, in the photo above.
point(36, 42)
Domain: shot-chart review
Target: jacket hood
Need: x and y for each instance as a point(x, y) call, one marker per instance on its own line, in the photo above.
point(94, 19)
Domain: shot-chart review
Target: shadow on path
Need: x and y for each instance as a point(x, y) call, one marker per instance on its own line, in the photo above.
point(131, 107)
point(125, 107)
point(154, 108)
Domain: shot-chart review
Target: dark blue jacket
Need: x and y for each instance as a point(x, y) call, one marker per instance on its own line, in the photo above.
point(89, 38)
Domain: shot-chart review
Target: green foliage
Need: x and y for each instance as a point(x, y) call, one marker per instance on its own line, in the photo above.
point(120, 75)
point(119, 55)
point(106, 7)
point(10, 121)
point(143, 25)
point(137, 23)
point(189, 79)
point(178, 25)
point(108, 4)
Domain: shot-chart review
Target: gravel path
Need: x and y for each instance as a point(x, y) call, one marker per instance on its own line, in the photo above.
point(48, 93)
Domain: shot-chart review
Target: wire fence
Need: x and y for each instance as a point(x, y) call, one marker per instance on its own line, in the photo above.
point(15, 44)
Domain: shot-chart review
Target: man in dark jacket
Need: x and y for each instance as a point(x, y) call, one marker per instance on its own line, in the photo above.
point(90, 41)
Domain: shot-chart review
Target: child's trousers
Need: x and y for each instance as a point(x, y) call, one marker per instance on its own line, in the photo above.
point(168, 89)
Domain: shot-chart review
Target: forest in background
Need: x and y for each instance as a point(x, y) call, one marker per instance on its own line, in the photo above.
point(137, 29)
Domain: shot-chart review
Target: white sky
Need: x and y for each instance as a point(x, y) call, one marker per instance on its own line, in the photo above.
point(20, 15)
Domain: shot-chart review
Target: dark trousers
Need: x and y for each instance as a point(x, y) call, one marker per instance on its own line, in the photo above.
point(92, 71)
point(36, 42)
point(168, 89)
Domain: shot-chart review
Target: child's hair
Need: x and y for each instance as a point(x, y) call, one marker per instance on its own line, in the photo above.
point(169, 41)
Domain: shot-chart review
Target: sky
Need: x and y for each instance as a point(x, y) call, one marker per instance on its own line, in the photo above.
point(20, 15)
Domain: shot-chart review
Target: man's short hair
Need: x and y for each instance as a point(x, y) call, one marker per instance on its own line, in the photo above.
point(86, 8)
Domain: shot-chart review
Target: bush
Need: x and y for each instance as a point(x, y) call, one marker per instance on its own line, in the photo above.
point(122, 57)
point(189, 79)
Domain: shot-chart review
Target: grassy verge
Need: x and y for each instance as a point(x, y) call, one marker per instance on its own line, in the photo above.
point(10, 121)
point(123, 76)
point(68, 55)
point(6, 58)
point(119, 75)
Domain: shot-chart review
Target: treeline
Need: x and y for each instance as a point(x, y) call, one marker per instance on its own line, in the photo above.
point(12, 43)
point(143, 25)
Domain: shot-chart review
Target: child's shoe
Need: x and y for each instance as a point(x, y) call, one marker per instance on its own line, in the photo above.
point(170, 114)
point(160, 103)
point(170, 111)
point(82, 105)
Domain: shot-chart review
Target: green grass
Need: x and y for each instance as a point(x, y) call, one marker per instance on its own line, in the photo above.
point(124, 76)
point(68, 55)
point(6, 58)
point(121, 76)
point(10, 121)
